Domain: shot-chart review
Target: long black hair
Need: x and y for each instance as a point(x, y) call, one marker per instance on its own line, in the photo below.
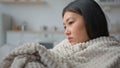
point(94, 17)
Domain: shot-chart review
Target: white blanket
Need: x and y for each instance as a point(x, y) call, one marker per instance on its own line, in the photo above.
point(5, 50)
point(103, 52)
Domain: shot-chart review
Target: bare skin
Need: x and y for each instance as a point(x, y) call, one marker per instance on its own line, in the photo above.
point(75, 29)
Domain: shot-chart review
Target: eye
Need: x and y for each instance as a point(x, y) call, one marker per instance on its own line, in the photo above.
point(70, 23)
point(64, 27)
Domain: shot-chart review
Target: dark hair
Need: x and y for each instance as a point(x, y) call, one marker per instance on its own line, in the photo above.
point(95, 21)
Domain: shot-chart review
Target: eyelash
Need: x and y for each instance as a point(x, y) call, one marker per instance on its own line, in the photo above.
point(70, 23)
point(64, 27)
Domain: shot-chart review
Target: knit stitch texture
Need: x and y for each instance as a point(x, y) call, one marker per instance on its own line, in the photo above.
point(103, 52)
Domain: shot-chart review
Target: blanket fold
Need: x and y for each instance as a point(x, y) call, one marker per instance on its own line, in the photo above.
point(29, 55)
point(102, 52)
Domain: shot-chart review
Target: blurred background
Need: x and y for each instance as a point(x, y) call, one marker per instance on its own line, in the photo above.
point(26, 21)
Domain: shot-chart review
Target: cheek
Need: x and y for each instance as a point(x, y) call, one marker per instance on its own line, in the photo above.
point(79, 28)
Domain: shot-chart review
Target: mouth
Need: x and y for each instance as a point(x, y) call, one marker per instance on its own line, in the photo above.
point(70, 39)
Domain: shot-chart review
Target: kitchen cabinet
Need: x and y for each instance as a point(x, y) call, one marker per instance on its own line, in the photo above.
point(22, 1)
point(21, 37)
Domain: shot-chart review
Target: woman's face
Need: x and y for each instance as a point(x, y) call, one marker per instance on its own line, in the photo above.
point(75, 28)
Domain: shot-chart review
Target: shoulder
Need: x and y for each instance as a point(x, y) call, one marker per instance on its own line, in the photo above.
point(61, 46)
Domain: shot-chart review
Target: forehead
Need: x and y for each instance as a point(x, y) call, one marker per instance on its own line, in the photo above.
point(70, 15)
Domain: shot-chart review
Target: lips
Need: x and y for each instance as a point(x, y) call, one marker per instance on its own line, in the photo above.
point(70, 39)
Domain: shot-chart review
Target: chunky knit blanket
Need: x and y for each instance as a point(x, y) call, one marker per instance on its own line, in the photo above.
point(103, 52)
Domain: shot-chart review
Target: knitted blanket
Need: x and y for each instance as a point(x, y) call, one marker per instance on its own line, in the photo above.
point(103, 52)
point(30, 55)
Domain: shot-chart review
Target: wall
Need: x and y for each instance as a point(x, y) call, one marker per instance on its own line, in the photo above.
point(113, 15)
point(37, 15)
point(49, 13)
point(1, 29)
point(113, 18)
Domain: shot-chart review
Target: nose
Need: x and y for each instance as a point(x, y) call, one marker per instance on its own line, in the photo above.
point(67, 31)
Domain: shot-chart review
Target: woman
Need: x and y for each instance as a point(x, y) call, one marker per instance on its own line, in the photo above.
point(88, 44)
